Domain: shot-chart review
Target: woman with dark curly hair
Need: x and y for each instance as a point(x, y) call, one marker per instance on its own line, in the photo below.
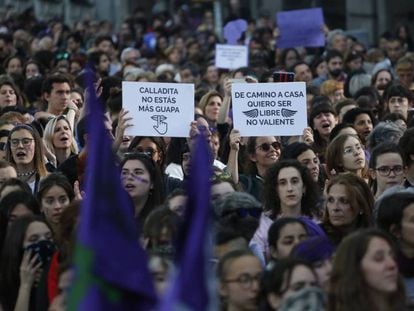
point(289, 191)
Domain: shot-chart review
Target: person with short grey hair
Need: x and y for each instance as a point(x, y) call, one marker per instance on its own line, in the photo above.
point(130, 56)
point(336, 40)
point(384, 132)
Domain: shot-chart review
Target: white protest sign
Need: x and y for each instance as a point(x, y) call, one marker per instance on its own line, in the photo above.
point(269, 109)
point(231, 56)
point(158, 109)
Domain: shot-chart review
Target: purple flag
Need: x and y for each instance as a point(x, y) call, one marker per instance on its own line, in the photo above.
point(111, 271)
point(233, 30)
point(190, 286)
point(300, 28)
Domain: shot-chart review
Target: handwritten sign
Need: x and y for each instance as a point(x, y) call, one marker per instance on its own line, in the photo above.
point(231, 56)
point(158, 109)
point(269, 109)
point(300, 28)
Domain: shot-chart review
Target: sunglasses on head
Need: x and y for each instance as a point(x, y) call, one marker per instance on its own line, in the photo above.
point(135, 154)
point(266, 146)
point(149, 150)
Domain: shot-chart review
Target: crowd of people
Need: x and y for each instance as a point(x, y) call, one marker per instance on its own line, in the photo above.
point(320, 221)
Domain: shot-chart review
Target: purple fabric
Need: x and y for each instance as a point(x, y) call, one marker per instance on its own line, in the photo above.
point(233, 30)
point(314, 249)
point(189, 287)
point(312, 227)
point(300, 28)
point(108, 232)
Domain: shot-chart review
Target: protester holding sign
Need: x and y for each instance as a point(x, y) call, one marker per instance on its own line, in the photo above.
point(261, 153)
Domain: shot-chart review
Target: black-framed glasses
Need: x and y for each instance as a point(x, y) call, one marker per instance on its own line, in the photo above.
point(266, 146)
point(245, 280)
point(386, 170)
point(15, 142)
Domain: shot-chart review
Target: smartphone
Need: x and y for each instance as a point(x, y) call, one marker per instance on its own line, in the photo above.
point(282, 76)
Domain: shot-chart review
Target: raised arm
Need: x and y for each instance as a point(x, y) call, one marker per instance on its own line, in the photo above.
point(232, 163)
point(225, 106)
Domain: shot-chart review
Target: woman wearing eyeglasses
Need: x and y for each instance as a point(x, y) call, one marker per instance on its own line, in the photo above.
point(261, 153)
point(346, 154)
point(25, 152)
point(142, 180)
point(386, 168)
point(239, 274)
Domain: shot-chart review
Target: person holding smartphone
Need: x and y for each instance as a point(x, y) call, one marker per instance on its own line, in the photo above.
point(25, 260)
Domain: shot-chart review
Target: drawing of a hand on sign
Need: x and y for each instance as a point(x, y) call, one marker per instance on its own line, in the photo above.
point(161, 127)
